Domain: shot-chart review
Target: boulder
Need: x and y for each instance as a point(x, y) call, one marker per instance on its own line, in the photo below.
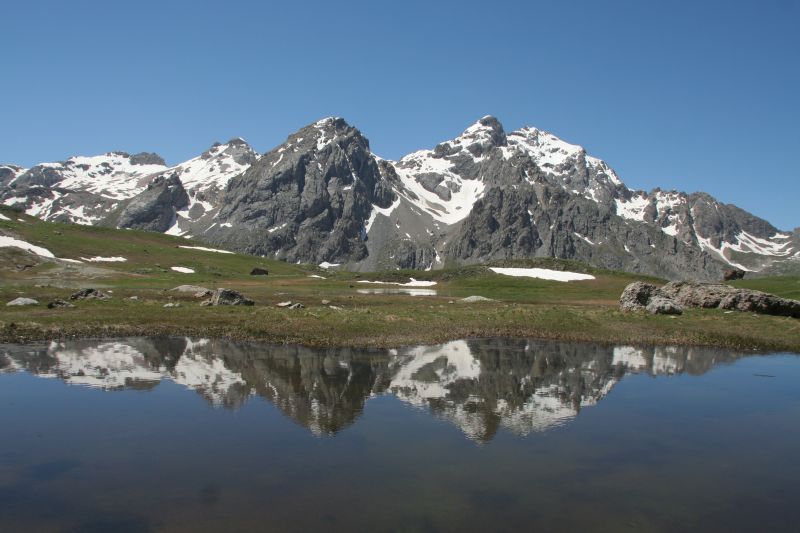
point(283, 304)
point(732, 274)
point(473, 299)
point(659, 305)
point(229, 297)
point(760, 302)
point(696, 294)
point(258, 271)
point(59, 303)
point(637, 295)
point(297, 306)
point(89, 294)
point(22, 301)
point(172, 304)
point(194, 289)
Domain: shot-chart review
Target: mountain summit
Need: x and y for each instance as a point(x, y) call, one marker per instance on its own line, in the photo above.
point(323, 197)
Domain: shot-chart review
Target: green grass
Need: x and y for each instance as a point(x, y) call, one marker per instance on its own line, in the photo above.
point(785, 286)
point(585, 310)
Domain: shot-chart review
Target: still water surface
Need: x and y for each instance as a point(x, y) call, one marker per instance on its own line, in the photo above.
point(480, 435)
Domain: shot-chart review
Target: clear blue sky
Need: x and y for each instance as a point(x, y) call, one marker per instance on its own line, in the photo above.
point(686, 95)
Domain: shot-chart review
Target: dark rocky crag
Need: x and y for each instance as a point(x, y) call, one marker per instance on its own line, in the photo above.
point(307, 200)
point(156, 208)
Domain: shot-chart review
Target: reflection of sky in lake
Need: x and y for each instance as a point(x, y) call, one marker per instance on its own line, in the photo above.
point(561, 436)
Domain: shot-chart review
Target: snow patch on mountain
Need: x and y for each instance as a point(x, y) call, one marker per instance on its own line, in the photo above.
point(463, 192)
point(633, 209)
point(380, 211)
point(10, 242)
point(112, 175)
point(215, 167)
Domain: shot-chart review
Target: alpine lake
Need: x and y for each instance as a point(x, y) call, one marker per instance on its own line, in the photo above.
point(193, 435)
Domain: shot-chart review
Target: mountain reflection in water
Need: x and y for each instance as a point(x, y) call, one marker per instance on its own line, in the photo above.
point(478, 385)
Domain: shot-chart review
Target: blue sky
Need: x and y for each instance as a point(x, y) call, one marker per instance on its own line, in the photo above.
point(684, 95)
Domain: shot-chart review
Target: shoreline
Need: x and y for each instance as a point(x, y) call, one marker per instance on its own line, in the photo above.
point(29, 333)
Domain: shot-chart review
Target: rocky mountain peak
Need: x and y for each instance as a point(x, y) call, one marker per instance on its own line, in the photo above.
point(482, 136)
point(147, 158)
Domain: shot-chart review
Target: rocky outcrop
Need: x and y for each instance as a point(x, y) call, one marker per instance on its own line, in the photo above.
point(663, 306)
point(672, 297)
point(195, 290)
point(696, 294)
point(228, 297)
point(55, 304)
point(156, 208)
point(89, 294)
point(760, 302)
point(637, 295)
point(733, 274)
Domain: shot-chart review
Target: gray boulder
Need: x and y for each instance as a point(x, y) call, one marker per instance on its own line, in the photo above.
point(663, 306)
point(229, 297)
point(89, 294)
point(760, 302)
point(22, 301)
point(732, 274)
point(695, 294)
point(59, 303)
point(196, 290)
point(475, 298)
point(637, 295)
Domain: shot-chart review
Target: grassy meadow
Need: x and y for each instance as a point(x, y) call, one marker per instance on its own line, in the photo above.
point(578, 310)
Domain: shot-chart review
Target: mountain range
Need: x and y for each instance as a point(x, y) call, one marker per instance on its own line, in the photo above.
point(323, 197)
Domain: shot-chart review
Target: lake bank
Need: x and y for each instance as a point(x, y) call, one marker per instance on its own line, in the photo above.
point(395, 320)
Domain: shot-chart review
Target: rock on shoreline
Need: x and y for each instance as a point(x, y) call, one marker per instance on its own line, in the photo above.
point(676, 295)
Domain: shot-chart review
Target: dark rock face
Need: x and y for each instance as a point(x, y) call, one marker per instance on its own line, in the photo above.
point(155, 208)
point(637, 295)
point(258, 271)
point(307, 200)
point(760, 302)
point(229, 297)
point(663, 306)
point(147, 158)
point(8, 173)
point(733, 274)
point(89, 294)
